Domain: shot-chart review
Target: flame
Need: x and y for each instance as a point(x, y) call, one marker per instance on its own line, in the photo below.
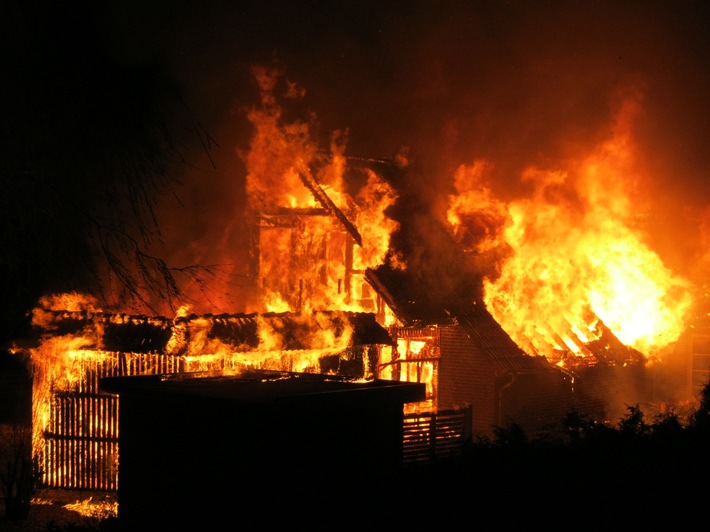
point(316, 239)
point(573, 258)
point(183, 310)
point(374, 199)
point(568, 262)
point(58, 363)
point(73, 354)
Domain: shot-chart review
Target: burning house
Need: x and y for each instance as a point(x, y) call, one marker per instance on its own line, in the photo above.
point(469, 309)
point(435, 332)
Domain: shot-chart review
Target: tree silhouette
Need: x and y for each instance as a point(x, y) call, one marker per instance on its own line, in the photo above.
point(87, 144)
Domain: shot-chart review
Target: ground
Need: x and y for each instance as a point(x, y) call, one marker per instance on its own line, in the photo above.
point(58, 510)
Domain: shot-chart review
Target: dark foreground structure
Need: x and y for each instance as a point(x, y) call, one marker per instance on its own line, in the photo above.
point(205, 451)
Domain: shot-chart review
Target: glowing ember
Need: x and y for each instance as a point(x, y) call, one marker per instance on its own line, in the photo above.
point(93, 511)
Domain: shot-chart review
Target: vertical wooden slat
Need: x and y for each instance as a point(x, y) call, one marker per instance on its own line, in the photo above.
point(61, 468)
point(108, 433)
point(72, 457)
point(99, 416)
point(59, 464)
point(78, 456)
point(432, 435)
point(102, 435)
point(56, 407)
point(73, 448)
point(77, 459)
point(87, 455)
point(80, 450)
point(62, 464)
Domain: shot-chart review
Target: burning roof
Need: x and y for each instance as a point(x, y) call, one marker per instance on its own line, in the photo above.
point(190, 334)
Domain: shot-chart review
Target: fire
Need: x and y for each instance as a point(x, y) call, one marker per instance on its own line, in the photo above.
point(69, 301)
point(563, 266)
point(572, 254)
point(374, 199)
point(56, 362)
point(316, 238)
point(72, 418)
point(280, 152)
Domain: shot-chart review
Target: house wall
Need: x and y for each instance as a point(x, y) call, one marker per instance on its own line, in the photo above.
point(535, 398)
point(466, 378)
point(535, 401)
point(605, 391)
point(462, 378)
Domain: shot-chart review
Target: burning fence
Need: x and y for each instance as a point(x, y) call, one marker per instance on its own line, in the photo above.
point(76, 424)
point(464, 362)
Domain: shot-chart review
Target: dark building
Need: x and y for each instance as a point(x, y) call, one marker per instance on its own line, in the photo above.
point(208, 451)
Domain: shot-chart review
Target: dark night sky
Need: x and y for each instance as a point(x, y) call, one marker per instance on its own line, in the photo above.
point(453, 80)
point(516, 82)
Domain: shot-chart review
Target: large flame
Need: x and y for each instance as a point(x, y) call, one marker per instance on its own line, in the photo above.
point(574, 254)
point(316, 238)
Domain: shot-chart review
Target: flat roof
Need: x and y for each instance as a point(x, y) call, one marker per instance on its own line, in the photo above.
point(266, 387)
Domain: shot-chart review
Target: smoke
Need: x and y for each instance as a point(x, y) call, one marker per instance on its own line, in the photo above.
point(515, 83)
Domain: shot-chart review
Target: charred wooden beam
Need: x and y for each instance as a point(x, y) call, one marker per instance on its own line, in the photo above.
point(381, 289)
point(323, 198)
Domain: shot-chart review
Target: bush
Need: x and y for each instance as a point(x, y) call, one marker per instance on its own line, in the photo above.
point(18, 475)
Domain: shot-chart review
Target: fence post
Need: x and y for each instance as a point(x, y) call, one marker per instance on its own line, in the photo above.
point(467, 432)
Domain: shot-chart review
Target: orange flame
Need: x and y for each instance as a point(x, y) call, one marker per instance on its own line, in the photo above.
point(573, 254)
point(316, 240)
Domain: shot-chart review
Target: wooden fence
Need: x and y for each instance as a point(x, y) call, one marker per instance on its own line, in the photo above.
point(436, 435)
point(80, 432)
point(81, 443)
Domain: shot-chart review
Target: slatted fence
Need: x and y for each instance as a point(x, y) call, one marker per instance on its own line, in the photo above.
point(80, 437)
point(435, 435)
point(81, 443)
